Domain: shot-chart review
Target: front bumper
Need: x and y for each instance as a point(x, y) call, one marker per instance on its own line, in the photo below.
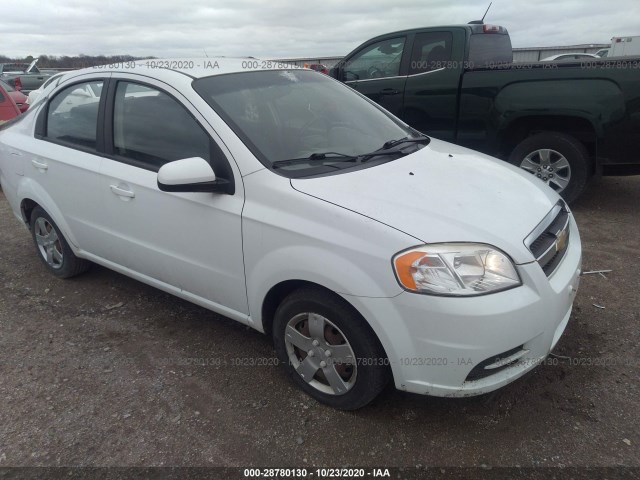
point(454, 347)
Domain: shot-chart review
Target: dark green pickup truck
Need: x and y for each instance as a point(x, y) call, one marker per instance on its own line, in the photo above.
point(563, 122)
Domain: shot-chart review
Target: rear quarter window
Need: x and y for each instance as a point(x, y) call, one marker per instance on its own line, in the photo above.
point(489, 49)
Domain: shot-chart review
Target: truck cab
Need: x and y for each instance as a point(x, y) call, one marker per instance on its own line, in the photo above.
point(563, 122)
point(415, 73)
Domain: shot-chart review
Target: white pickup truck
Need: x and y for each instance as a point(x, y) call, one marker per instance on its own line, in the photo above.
point(622, 47)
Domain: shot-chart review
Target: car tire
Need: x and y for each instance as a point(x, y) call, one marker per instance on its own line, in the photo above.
point(567, 162)
point(52, 248)
point(344, 363)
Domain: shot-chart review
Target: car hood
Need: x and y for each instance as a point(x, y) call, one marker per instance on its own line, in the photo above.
point(444, 193)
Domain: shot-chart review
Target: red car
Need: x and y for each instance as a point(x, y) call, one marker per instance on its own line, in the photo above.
point(8, 108)
point(18, 97)
point(318, 67)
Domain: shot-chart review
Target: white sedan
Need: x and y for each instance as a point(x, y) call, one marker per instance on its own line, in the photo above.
point(571, 57)
point(284, 200)
point(46, 86)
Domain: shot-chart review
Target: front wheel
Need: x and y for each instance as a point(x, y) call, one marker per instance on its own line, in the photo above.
point(328, 350)
point(559, 160)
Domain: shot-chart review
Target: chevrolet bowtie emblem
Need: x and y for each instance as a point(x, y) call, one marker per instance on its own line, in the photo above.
point(561, 241)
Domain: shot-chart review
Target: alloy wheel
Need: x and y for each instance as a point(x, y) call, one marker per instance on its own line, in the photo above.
point(48, 243)
point(320, 353)
point(550, 166)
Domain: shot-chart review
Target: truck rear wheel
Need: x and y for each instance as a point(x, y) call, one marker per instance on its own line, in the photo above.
point(559, 160)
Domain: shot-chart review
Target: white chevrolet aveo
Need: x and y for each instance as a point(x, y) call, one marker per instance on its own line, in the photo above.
point(283, 199)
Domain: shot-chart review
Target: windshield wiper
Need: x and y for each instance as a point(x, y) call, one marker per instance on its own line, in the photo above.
point(335, 157)
point(315, 157)
point(393, 143)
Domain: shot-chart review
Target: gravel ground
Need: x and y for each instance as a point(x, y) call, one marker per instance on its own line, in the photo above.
point(99, 370)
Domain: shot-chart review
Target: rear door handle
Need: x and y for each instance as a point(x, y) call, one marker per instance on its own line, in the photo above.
point(121, 192)
point(389, 91)
point(39, 165)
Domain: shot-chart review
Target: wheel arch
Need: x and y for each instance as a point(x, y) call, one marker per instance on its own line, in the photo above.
point(281, 290)
point(581, 128)
point(31, 195)
point(26, 207)
point(276, 295)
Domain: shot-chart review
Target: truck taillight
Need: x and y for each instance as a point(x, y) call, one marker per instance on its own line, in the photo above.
point(491, 29)
point(17, 83)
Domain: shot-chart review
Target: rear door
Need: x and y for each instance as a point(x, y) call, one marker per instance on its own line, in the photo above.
point(431, 89)
point(65, 161)
point(378, 70)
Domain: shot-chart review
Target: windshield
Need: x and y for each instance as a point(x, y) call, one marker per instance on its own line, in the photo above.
point(6, 86)
point(291, 114)
point(51, 79)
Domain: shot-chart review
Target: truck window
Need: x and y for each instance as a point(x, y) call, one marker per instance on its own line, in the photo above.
point(489, 49)
point(379, 60)
point(431, 51)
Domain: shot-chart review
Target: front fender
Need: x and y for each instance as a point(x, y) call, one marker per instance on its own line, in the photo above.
point(340, 275)
point(315, 265)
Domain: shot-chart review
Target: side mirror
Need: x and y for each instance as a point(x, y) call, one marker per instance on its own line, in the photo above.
point(335, 72)
point(190, 175)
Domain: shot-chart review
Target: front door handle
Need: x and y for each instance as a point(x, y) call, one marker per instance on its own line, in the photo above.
point(389, 91)
point(39, 165)
point(121, 192)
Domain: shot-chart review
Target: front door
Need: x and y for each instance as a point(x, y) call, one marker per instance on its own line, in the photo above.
point(190, 241)
point(375, 71)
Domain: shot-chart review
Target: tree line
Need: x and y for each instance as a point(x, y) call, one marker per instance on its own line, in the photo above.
point(79, 61)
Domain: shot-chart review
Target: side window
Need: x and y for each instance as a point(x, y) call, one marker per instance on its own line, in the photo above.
point(379, 60)
point(152, 128)
point(431, 51)
point(72, 116)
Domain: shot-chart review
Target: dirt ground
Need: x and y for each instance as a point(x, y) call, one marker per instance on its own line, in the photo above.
point(102, 370)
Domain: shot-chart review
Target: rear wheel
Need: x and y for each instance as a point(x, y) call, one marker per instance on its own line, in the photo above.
point(559, 160)
point(52, 247)
point(328, 350)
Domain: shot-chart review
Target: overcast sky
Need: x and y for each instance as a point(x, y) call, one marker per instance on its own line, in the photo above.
point(287, 28)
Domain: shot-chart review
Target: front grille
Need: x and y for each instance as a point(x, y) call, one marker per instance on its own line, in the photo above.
point(496, 364)
point(550, 239)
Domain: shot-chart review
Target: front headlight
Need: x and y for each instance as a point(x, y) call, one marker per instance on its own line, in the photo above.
point(460, 269)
